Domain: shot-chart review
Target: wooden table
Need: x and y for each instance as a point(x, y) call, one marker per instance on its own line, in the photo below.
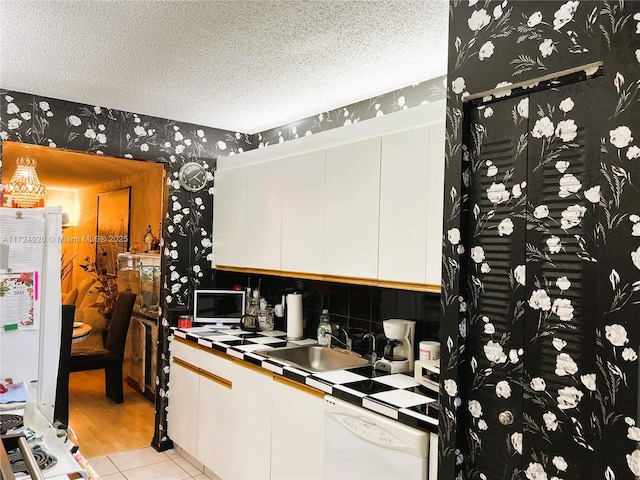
point(80, 331)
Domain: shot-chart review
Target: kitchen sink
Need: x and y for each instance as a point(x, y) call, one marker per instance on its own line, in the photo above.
point(315, 358)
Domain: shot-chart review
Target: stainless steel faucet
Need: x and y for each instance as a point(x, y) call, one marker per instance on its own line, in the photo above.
point(335, 327)
point(373, 344)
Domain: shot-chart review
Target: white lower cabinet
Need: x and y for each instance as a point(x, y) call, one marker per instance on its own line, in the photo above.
point(182, 418)
point(297, 431)
point(215, 427)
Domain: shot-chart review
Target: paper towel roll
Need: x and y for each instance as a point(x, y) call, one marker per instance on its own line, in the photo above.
point(294, 316)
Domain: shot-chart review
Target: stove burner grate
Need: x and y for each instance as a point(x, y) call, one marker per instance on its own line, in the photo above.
point(45, 461)
point(9, 422)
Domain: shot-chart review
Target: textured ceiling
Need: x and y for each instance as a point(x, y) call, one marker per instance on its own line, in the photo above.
point(234, 64)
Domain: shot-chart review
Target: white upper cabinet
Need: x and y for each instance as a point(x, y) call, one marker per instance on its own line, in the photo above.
point(404, 205)
point(435, 199)
point(303, 178)
point(229, 217)
point(352, 197)
point(264, 210)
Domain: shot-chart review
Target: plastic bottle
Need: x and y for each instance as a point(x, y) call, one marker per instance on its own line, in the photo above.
point(324, 329)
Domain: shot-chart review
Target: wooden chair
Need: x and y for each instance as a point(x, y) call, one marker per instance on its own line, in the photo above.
point(61, 408)
point(111, 356)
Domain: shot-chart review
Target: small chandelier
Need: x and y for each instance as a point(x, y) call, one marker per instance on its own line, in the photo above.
point(25, 187)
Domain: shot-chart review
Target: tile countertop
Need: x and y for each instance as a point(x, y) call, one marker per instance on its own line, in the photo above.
point(398, 396)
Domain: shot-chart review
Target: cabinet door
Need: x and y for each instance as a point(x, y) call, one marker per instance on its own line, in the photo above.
point(435, 201)
point(216, 431)
point(297, 432)
point(264, 210)
point(352, 201)
point(182, 418)
point(303, 212)
point(404, 206)
point(229, 217)
point(250, 455)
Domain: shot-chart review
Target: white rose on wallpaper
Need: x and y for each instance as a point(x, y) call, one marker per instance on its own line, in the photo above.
point(497, 12)
point(475, 408)
point(567, 130)
point(497, 193)
point(173, 254)
point(568, 184)
point(494, 352)
point(488, 113)
point(453, 236)
point(74, 120)
point(568, 397)
point(635, 258)
point(565, 14)
point(638, 54)
point(523, 107)
point(486, 50)
point(482, 425)
point(458, 85)
point(543, 128)
point(44, 106)
point(538, 384)
point(572, 216)
point(562, 308)
point(540, 300)
point(616, 334)
point(176, 206)
point(503, 389)
point(566, 105)
point(179, 149)
point(102, 138)
point(26, 116)
point(520, 274)
point(541, 211)
point(633, 152)
point(563, 283)
point(477, 254)
point(478, 20)
point(589, 381)
point(593, 194)
point(558, 343)
point(206, 243)
point(546, 47)
point(140, 131)
point(516, 191)
point(635, 230)
point(629, 355)
point(90, 133)
point(175, 288)
point(516, 441)
point(489, 328)
point(14, 123)
point(535, 471)
point(492, 170)
point(621, 136)
point(560, 463)
point(12, 108)
point(451, 387)
point(534, 19)
point(175, 184)
point(554, 244)
point(550, 421)
point(565, 365)
point(633, 433)
point(174, 276)
point(177, 218)
point(485, 268)
point(633, 461)
point(562, 165)
point(505, 227)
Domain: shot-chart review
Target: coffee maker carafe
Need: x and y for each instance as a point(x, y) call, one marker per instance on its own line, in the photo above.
point(398, 352)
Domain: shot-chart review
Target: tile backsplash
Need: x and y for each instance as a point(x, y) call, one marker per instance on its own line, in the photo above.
point(359, 308)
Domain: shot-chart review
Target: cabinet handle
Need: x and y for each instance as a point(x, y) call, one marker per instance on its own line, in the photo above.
point(203, 373)
point(506, 417)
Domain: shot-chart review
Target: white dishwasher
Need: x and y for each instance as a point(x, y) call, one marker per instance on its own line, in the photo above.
point(360, 444)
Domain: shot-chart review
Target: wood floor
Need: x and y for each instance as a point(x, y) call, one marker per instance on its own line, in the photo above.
point(102, 426)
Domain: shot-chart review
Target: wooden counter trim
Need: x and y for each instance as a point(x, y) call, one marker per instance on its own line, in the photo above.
point(216, 379)
point(299, 386)
point(372, 282)
point(203, 373)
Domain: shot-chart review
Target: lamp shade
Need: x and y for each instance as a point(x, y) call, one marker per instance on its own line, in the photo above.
point(25, 187)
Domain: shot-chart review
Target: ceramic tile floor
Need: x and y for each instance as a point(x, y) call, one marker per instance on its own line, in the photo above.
point(146, 464)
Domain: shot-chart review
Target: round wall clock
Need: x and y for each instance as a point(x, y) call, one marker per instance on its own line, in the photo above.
point(192, 176)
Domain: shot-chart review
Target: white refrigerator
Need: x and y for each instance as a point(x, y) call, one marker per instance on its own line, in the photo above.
point(30, 298)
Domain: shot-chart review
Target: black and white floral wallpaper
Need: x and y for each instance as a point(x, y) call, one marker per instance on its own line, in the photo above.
point(187, 238)
point(541, 259)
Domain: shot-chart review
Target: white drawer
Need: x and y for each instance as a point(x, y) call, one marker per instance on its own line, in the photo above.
point(185, 352)
point(216, 365)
